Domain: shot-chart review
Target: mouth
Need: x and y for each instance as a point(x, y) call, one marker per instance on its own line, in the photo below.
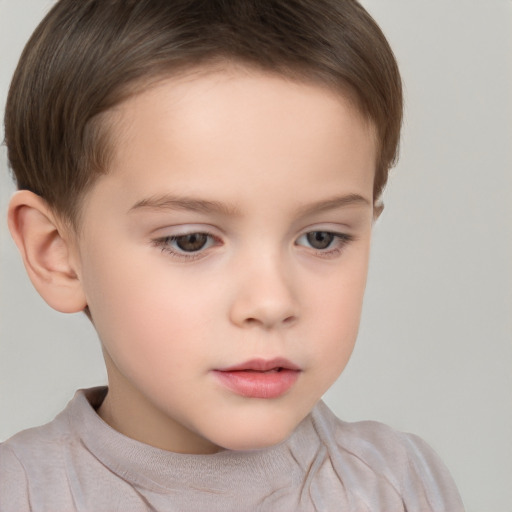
point(262, 365)
point(259, 378)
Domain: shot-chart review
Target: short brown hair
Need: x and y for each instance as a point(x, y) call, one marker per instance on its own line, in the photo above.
point(87, 56)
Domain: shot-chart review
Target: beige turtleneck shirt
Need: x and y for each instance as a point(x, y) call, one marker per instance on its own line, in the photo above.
point(78, 463)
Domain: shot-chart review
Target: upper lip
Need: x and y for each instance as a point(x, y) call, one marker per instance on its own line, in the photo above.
point(262, 365)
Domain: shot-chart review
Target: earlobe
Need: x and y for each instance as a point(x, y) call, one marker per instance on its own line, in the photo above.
point(46, 252)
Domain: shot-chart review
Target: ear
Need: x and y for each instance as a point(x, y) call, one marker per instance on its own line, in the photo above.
point(378, 208)
point(46, 252)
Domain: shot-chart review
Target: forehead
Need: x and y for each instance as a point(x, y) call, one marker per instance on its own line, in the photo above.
point(231, 124)
point(239, 92)
point(232, 85)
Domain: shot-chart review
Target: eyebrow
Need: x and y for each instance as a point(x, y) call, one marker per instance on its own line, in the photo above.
point(171, 202)
point(334, 203)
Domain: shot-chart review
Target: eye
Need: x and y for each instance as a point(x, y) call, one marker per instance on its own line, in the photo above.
point(320, 239)
point(188, 245)
point(325, 242)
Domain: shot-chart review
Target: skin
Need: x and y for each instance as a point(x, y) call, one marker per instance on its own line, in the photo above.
point(256, 161)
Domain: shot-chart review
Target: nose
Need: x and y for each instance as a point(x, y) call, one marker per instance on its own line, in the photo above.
point(264, 295)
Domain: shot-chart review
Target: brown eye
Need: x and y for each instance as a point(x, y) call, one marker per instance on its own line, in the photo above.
point(320, 239)
point(192, 242)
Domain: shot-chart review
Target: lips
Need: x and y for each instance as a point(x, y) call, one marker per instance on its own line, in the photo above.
point(259, 378)
point(263, 365)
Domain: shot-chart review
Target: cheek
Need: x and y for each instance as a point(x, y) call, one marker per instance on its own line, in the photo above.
point(343, 290)
point(141, 310)
point(336, 312)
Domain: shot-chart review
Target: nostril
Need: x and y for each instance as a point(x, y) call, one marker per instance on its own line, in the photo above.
point(254, 321)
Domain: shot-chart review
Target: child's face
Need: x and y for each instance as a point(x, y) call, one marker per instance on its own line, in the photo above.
point(234, 225)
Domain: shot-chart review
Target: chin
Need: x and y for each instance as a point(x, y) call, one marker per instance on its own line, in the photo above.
point(254, 438)
point(244, 445)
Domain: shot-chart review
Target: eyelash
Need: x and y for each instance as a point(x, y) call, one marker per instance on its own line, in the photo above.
point(340, 240)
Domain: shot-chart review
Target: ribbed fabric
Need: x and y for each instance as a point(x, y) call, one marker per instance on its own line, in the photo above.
point(79, 463)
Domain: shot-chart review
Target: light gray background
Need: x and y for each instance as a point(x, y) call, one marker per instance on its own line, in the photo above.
point(435, 350)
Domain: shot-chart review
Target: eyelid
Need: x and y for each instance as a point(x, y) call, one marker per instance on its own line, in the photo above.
point(183, 229)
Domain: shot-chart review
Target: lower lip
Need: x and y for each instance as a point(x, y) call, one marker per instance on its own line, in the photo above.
point(254, 384)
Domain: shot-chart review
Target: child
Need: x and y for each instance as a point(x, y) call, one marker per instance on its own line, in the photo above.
point(201, 179)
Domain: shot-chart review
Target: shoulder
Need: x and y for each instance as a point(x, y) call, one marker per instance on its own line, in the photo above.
point(41, 441)
point(371, 441)
point(380, 454)
point(43, 448)
point(42, 445)
point(13, 481)
point(24, 459)
point(33, 461)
